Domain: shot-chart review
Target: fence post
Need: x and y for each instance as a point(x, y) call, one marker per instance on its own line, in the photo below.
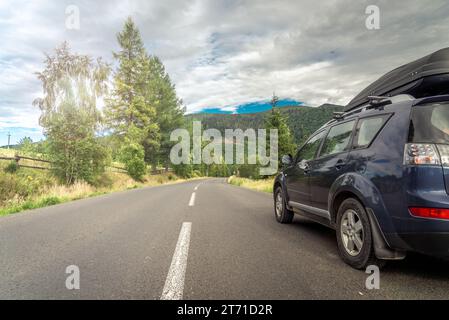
point(17, 159)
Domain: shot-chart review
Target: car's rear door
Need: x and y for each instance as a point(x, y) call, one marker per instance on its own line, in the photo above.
point(331, 162)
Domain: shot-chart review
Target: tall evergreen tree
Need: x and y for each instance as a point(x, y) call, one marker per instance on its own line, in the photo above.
point(276, 120)
point(169, 112)
point(143, 98)
point(130, 105)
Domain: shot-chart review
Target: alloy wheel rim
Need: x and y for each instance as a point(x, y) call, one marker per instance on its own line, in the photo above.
point(278, 204)
point(352, 233)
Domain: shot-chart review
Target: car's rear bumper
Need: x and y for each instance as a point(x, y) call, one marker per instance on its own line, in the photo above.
point(435, 243)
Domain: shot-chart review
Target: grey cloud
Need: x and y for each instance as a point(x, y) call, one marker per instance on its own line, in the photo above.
point(221, 53)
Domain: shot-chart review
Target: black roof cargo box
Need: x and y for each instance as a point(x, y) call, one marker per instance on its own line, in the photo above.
point(424, 77)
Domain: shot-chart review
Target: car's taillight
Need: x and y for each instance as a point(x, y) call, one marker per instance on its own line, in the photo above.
point(434, 213)
point(443, 149)
point(421, 153)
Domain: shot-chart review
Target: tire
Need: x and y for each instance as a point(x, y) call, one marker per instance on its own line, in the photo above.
point(354, 236)
point(281, 212)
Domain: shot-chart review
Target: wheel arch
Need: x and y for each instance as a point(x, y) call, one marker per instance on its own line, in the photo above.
point(279, 181)
point(363, 190)
point(338, 200)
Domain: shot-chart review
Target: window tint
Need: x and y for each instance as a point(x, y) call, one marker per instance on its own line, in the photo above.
point(338, 138)
point(430, 123)
point(309, 150)
point(367, 129)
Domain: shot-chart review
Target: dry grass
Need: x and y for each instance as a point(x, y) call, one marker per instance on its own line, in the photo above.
point(56, 193)
point(7, 152)
point(76, 191)
point(264, 185)
point(30, 188)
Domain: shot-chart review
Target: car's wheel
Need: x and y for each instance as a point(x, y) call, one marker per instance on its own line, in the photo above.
point(354, 236)
point(282, 213)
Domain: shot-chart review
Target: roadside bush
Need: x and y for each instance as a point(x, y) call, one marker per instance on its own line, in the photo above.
point(84, 158)
point(12, 167)
point(249, 171)
point(171, 177)
point(132, 155)
point(196, 174)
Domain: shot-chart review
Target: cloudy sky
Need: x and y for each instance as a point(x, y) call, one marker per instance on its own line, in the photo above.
point(222, 52)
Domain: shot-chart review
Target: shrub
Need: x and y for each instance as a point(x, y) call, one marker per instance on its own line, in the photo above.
point(12, 167)
point(171, 177)
point(196, 174)
point(132, 155)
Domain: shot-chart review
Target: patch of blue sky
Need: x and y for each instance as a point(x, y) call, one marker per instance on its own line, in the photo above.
point(251, 107)
point(17, 133)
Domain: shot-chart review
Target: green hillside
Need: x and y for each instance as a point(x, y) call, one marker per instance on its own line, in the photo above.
point(302, 120)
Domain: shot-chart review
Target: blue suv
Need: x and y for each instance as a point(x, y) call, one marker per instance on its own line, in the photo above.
point(379, 175)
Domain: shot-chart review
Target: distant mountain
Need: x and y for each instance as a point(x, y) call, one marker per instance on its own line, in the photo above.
point(302, 121)
point(250, 107)
point(14, 146)
point(330, 105)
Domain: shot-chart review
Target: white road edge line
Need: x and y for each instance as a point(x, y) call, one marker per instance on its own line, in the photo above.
point(192, 200)
point(174, 284)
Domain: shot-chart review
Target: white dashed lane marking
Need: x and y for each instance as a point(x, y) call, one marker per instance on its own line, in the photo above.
point(192, 200)
point(174, 284)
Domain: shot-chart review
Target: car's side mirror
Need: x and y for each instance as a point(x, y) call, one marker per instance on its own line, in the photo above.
point(287, 159)
point(303, 164)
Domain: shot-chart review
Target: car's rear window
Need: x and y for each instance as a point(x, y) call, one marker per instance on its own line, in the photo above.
point(430, 123)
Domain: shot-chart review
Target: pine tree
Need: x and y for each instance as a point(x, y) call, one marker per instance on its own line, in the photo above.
point(143, 98)
point(169, 112)
point(276, 120)
point(130, 105)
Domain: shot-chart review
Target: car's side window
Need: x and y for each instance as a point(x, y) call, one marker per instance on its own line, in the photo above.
point(308, 151)
point(338, 138)
point(367, 129)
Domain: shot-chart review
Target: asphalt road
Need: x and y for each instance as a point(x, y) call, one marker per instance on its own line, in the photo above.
point(162, 242)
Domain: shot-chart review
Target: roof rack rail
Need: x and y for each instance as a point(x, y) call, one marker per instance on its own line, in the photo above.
point(338, 114)
point(378, 101)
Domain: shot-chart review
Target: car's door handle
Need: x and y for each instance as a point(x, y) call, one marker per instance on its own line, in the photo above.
point(340, 164)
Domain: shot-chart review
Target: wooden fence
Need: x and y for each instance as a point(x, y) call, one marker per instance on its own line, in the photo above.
point(18, 158)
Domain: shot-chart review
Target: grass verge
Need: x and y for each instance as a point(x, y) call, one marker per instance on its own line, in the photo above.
point(264, 185)
point(52, 193)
